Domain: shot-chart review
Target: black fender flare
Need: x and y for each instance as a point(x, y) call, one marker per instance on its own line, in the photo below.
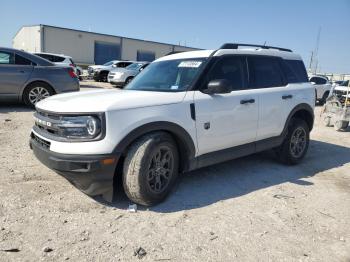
point(299, 108)
point(183, 139)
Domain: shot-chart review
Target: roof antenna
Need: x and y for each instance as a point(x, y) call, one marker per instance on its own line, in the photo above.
point(265, 43)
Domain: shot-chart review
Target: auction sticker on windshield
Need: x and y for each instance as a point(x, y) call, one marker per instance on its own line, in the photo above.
point(193, 64)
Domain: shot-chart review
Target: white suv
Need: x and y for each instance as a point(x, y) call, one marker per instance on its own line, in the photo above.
point(322, 87)
point(182, 112)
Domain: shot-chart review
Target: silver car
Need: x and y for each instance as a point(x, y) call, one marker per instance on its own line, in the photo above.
point(29, 78)
point(122, 76)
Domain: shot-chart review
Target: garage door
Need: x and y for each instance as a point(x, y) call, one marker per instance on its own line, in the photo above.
point(145, 56)
point(105, 52)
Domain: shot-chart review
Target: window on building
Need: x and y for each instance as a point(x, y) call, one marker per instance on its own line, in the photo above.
point(145, 56)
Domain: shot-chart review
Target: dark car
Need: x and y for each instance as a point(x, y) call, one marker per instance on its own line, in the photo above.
point(29, 78)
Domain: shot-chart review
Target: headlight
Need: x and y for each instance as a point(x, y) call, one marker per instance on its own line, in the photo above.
point(118, 74)
point(79, 127)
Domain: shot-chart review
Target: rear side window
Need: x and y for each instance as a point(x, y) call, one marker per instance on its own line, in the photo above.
point(318, 80)
point(294, 71)
point(231, 68)
point(265, 72)
point(6, 58)
point(57, 59)
point(20, 60)
point(47, 57)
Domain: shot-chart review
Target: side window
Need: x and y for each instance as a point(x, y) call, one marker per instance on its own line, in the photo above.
point(231, 68)
point(265, 72)
point(6, 58)
point(294, 71)
point(318, 80)
point(20, 60)
point(57, 59)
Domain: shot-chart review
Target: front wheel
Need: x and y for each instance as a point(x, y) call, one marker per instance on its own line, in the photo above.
point(150, 168)
point(296, 142)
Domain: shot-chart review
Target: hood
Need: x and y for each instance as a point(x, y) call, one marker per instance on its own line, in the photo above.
point(123, 70)
point(99, 67)
point(342, 88)
point(107, 100)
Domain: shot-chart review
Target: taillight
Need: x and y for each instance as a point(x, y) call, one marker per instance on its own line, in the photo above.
point(71, 65)
point(72, 73)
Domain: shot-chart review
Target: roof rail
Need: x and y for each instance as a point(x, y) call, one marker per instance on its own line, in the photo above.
point(235, 46)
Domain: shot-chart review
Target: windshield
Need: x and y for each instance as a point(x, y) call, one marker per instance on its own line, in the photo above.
point(134, 66)
point(168, 76)
point(108, 63)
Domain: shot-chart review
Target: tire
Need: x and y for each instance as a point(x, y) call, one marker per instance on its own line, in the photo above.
point(293, 149)
point(324, 98)
point(326, 120)
point(104, 76)
point(128, 80)
point(42, 90)
point(144, 178)
point(341, 125)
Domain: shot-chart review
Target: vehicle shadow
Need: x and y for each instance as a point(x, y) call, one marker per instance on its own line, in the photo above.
point(242, 176)
point(6, 108)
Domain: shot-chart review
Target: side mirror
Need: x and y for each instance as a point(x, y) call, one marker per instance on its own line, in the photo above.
point(218, 86)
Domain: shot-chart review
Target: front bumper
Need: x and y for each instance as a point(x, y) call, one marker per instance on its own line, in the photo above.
point(92, 174)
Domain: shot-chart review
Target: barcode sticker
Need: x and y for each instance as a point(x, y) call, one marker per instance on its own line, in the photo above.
point(193, 64)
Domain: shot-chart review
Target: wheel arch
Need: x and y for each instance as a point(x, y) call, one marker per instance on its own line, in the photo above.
point(184, 142)
point(303, 111)
point(27, 85)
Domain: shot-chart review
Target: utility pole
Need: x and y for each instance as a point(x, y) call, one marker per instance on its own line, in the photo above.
point(315, 54)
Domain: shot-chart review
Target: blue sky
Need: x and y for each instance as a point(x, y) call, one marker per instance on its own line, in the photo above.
point(204, 24)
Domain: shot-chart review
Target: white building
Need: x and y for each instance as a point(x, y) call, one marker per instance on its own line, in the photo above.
point(88, 47)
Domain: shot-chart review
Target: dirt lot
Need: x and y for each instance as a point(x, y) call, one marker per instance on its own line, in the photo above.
point(250, 209)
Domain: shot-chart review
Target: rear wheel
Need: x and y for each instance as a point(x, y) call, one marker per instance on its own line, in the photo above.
point(36, 92)
point(326, 120)
point(150, 168)
point(296, 142)
point(340, 125)
point(324, 98)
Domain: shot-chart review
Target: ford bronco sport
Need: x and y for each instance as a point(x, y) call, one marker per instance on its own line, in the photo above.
point(184, 111)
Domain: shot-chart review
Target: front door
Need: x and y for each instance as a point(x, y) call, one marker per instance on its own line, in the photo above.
point(226, 120)
point(14, 72)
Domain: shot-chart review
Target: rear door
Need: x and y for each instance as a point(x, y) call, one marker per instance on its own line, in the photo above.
point(267, 78)
point(226, 120)
point(15, 70)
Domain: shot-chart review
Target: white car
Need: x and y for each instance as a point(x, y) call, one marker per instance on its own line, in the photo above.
point(100, 72)
point(184, 111)
point(62, 60)
point(122, 76)
point(322, 86)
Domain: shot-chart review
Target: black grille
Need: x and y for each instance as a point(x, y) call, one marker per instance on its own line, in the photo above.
point(40, 141)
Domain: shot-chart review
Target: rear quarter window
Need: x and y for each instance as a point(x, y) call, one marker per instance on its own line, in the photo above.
point(294, 71)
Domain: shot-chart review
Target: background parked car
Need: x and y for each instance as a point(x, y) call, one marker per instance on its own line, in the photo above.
point(100, 72)
point(122, 76)
point(62, 60)
point(30, 78)
point(322, 86)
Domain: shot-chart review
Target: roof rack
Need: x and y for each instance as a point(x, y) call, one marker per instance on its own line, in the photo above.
point(235, 46)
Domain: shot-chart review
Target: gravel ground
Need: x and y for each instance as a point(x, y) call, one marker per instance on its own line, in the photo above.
point(249, 209)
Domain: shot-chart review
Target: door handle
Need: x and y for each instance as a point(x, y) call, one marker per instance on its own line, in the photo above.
point(21, 71)
point(247, 101)
point(287, 96)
